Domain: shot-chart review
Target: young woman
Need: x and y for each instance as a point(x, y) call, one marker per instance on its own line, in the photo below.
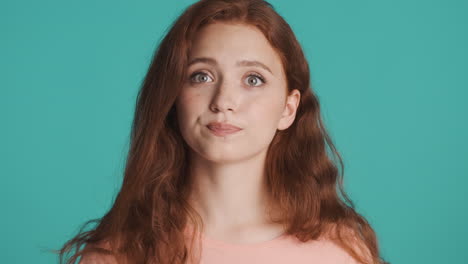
point(228, 160)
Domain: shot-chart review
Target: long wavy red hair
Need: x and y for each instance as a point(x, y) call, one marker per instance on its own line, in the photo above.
point(151, 213)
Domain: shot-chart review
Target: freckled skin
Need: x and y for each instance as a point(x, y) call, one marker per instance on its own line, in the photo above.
point(227, 92)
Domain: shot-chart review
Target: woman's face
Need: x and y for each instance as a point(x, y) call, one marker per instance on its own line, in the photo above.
point(234, 76)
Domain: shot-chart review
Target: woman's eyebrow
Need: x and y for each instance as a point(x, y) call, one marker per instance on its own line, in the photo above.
point(239, 63)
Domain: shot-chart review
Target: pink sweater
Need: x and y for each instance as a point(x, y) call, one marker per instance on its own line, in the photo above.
point(281, 250)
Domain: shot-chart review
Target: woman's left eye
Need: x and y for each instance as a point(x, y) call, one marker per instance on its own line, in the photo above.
point(254, 81)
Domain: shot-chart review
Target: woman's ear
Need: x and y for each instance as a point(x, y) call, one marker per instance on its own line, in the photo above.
point(290, 109)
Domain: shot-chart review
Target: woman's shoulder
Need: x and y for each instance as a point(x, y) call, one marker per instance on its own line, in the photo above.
point(329, 245)
point(96, 257)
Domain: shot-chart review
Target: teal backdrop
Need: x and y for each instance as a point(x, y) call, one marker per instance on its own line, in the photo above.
point(391, 76)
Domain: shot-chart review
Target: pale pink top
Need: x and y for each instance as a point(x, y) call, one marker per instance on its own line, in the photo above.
point(281, 250)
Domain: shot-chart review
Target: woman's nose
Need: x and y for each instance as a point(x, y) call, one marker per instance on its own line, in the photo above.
point(225, 97)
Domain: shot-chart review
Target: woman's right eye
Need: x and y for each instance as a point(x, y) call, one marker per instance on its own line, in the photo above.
point(199, 77)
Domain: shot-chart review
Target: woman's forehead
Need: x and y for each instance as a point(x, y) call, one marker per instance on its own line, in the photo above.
point(230, 44)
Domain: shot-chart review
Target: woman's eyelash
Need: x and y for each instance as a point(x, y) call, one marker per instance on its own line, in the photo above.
point(259, 76)
point(251, 74)
point(195, 74)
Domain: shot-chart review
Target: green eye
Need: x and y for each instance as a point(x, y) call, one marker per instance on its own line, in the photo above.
point(255, 81)
point(203, 77)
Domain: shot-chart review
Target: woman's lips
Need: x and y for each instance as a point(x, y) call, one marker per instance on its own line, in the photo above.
point(222, 129)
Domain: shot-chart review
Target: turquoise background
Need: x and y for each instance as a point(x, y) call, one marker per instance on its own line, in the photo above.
point(392, 77)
